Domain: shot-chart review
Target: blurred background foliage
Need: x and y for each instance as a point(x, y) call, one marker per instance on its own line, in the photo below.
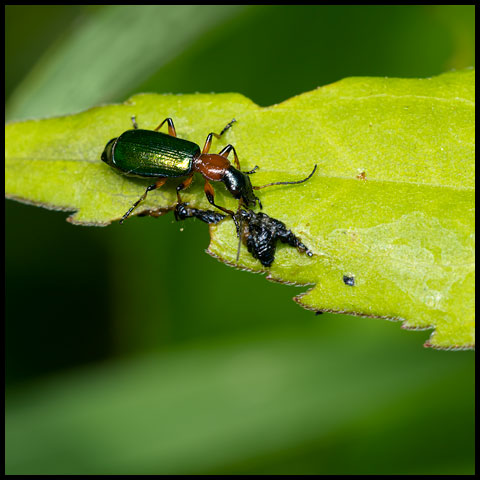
point(129, 350)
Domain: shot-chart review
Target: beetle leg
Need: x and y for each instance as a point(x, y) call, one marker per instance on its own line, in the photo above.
point(227, 126)
point(226, 151)
point(156, 185)
point(253, 170)
point(171, 127)
point(210, 194)
point(208, 141)
point(134, 121)
point(185, 184)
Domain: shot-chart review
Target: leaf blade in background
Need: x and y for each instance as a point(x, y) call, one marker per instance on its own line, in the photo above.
point(247, 398)
point(392, 200)
point(135, 42)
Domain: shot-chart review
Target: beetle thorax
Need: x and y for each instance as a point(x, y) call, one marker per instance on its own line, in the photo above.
point(211, 165)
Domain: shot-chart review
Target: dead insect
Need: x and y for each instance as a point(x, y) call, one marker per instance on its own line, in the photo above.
point(182, 211)
point(260, 234)
point(258, 231)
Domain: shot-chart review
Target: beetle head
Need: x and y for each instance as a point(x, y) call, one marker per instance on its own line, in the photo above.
point(107, 156)
point(239, 185)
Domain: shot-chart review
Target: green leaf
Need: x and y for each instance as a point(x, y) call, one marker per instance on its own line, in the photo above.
point(392, 202)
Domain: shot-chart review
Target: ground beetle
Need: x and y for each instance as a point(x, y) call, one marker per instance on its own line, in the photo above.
point(147, 153)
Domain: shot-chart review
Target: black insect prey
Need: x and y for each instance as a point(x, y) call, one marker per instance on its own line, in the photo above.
point(258, 231)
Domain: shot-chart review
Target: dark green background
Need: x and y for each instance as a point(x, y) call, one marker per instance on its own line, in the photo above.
point(83, 300)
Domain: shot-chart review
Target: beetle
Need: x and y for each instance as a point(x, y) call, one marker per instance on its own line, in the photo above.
point(157, 155)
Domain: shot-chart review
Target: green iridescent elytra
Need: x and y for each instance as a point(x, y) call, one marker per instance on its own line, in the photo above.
point(146, 153)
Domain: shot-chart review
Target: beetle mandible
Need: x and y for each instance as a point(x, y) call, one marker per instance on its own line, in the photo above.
point(153, 154)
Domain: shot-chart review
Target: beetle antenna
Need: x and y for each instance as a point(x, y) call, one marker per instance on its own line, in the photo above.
point(287, 183)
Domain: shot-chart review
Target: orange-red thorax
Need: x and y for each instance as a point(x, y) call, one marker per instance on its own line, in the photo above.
point(211, 165)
